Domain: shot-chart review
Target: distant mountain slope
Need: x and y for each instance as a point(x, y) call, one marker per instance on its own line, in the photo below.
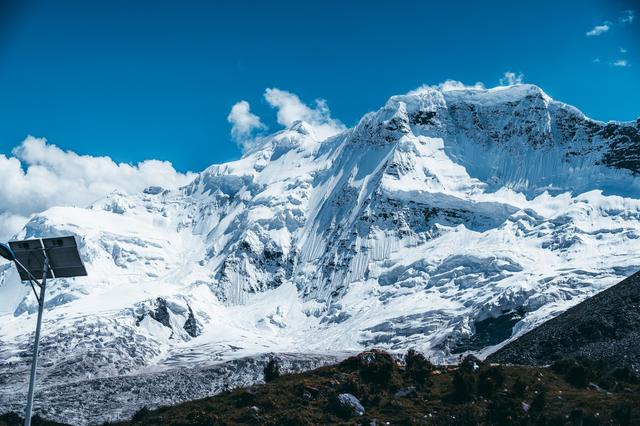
point(604, 327)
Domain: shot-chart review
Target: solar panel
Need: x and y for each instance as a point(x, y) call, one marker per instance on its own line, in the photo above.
point(62, 252)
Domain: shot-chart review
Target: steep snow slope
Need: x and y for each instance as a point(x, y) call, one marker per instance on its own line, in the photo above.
point(436, 215)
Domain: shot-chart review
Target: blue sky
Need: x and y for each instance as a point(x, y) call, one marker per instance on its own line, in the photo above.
point(136, 80)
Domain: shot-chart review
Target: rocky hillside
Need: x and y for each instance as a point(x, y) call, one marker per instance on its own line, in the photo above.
point(603, 328)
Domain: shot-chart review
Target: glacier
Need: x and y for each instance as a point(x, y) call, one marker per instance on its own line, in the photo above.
point(441, 211)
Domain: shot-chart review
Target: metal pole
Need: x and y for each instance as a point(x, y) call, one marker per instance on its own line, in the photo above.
point(34, 363)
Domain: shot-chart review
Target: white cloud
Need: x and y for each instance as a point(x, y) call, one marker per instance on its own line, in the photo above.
point(291, 109)
point(628, 16)
point(39, 176)
point(446, 86)
point(599, 29)
point(622, 63)
point(243, 122)
point(596, 61)
point(458, 85)
point(623, 50)
point(510, 78)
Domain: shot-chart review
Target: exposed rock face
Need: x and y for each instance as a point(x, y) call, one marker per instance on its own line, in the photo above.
point(161, 313)
point(429, 222)
point(191, 326)
point(173, 319)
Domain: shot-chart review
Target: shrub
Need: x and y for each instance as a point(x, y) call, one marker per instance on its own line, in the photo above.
point(538, 403)
point(417, 367)
point(470, 364)
point(271, 370)
point(555, 420)
point(376, 367)
point(578, 375)
point(504, 412)
point(625, 374)
point(562, 366)
point(623, 415)
point(464, 386)
point(292, 418)
point(490, 381)
point(579, 417)
point(519, 388)
point(244, 397)
point(578, 372)
point(140, 415)
point(348, 385)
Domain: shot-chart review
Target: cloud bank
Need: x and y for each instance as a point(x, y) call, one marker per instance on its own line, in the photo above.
point(39, 175)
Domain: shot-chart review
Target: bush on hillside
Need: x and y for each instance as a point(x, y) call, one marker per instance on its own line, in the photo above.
point(470, 364)
point(625, 374)
point(417, 368)
point(490, 381)
point(271, 370)
point(519, 388)
point(464, 386)
point(376, 367)
point(140, 415)
point(578, 372)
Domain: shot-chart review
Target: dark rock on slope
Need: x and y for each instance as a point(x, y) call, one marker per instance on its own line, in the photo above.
point(605, 328)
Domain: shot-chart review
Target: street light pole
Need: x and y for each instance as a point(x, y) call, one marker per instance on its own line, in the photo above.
point(61, 259)
point(34, 362)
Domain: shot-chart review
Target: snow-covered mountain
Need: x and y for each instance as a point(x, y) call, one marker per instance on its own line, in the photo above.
point(446, 221)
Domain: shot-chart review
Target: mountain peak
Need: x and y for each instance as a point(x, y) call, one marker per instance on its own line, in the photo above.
point(501, 94)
